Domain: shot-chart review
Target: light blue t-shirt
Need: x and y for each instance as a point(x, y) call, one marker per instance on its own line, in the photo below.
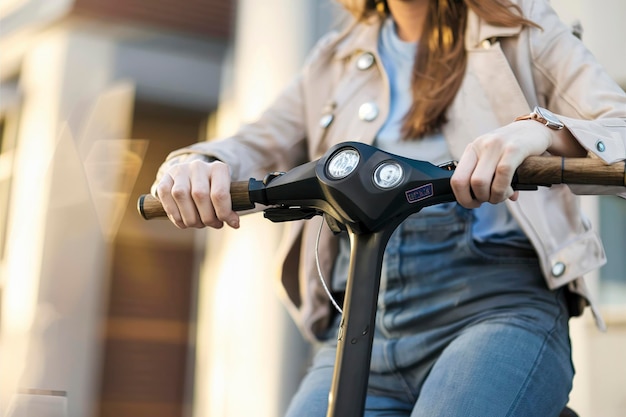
point(493, 222)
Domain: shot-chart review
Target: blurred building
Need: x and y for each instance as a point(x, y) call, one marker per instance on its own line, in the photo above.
point(103, 314)
point(100, 308)
point(97, 321)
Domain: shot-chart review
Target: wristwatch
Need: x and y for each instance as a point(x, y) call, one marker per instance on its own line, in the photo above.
point(545, 117)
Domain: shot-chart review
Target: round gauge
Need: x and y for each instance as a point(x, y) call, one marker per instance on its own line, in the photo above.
point(388, 175)
point(343, 163)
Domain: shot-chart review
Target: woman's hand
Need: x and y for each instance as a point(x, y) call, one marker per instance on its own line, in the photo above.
point(486, 168)
point(196, 193)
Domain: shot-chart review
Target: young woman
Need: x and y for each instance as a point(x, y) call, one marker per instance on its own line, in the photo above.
point(475, 297)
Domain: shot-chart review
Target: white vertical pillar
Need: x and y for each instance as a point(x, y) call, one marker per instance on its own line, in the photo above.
point(250, 355)
point(28, 205)
point(57, 253)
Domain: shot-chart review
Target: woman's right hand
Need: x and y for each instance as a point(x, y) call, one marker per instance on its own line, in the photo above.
point(196, 193)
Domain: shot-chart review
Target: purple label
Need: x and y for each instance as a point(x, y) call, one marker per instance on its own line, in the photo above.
point(419, 193)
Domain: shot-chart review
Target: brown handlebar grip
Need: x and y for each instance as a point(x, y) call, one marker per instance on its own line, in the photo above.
point(150, 207)
point(544, 170)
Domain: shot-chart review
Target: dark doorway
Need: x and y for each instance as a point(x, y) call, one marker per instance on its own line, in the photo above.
point(150, 322)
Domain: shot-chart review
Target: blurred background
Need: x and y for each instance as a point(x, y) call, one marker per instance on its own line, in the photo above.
point(103, 314)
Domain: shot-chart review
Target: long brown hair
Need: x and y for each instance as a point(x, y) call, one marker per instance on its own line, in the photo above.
point(441, 56)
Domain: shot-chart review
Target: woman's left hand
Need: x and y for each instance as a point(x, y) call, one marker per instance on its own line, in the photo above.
point(486, 168)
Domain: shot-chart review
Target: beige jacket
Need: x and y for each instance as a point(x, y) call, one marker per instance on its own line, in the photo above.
point(509, 70)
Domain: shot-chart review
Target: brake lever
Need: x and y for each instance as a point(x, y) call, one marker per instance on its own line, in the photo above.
point(287, 214)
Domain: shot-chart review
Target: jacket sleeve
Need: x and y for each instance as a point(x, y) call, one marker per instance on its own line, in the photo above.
point(572, 84)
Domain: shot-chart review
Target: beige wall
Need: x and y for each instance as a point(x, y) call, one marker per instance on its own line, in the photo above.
point(600, 382)
point(604, 30)
point(250, 355)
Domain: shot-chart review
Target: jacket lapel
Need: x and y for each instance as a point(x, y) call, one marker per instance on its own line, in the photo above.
point(490, 95)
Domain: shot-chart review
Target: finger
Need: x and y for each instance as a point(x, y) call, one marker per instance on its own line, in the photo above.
point(483, 176)
point(201, 194)
point(181, 193)
point(220, 195)
point(460, 181)
point(501, 188)
point(164, 194)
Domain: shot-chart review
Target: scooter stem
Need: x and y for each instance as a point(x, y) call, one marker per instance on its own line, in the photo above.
point(356, 331)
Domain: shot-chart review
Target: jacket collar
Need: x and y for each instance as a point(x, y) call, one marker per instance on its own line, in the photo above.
point(359, 37)
point(362, 37)
point(478, 31)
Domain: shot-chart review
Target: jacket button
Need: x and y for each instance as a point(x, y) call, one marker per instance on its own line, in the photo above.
point(368, 111)
point(558, 269)
point(365, 61)
point(326, 120)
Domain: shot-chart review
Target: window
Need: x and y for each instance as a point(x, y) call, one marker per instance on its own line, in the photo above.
point(9, 112)
point(612, 285)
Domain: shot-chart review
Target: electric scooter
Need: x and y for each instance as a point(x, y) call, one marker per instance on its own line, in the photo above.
point(368, 193)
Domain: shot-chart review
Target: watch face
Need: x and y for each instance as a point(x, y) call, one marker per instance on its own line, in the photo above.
point(552, 121)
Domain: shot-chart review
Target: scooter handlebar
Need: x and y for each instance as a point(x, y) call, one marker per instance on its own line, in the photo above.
point(534, 171)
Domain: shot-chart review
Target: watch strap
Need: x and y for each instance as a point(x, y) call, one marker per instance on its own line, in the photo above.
point(544, 117)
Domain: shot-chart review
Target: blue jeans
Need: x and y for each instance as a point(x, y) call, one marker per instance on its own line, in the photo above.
point(461, 330)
